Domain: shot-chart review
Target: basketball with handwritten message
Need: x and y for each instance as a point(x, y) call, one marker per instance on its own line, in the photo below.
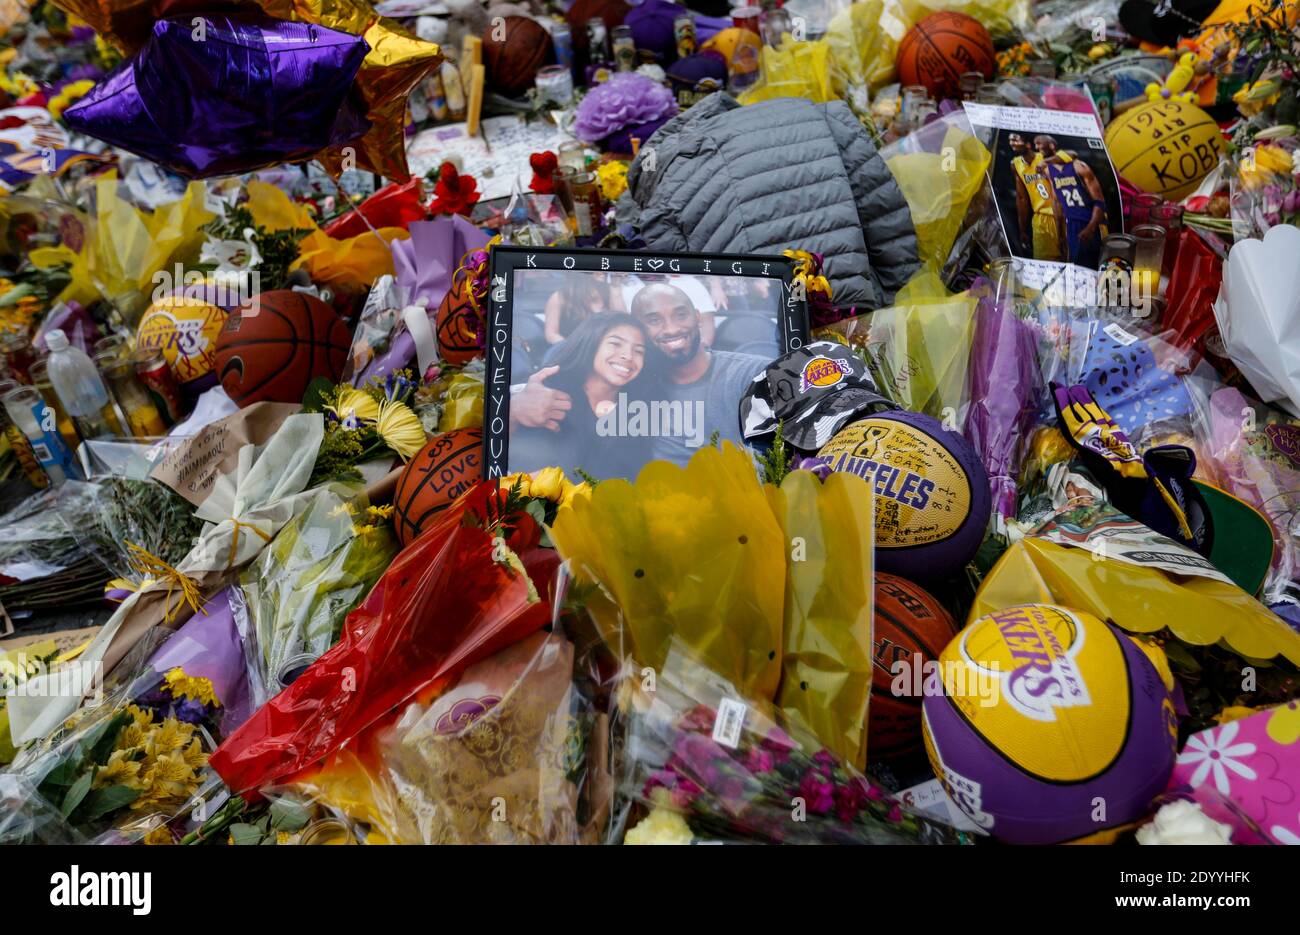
point(1164, 147)
point(940, 49)
point(457, 325)
point(1051, 725)
point(932, 498)
point(446, 467)
point(911, 630)
point(273, 347)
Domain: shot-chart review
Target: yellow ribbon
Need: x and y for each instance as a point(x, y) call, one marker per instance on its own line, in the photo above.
point(805, 271)
point(154, 569)
point(234, 540)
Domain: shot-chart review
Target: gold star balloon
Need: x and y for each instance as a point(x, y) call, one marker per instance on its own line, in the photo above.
point(396, 63)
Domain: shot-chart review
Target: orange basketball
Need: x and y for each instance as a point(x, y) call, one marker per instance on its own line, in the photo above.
point(273, 347)
point(446, 467)
point(457, 324)
point(513, 51)
point(912, 628)
point(940, 49)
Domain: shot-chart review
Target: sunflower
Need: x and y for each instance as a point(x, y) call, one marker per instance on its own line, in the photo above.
point(400, 429)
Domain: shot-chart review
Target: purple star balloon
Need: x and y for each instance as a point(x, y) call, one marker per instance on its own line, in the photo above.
point(232, 95)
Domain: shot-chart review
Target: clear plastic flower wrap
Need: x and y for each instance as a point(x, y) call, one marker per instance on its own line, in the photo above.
point(40, 536)
point(134, 522)
point(514, 750)
point(735, 768)
point(302, 586)
point(133, 756)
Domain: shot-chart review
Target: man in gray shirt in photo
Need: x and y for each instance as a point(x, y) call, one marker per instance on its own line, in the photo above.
point(695, 376)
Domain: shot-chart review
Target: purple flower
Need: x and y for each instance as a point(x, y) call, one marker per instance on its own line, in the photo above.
point(191, 711)
point(817, 793)
point(819, 466)
point(625, 100)
point(732, 791)
point(759, 761)
point(1291, 203)
point(825, 761)
point(849, 800)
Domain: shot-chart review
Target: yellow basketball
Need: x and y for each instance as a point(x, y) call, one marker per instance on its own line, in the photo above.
point(931, 492)
point(185, 330)
point(1164, 147)
point(1045, 713)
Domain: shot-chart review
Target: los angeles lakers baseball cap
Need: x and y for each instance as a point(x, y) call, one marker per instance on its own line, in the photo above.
point(1241, 539)
point(813, 392)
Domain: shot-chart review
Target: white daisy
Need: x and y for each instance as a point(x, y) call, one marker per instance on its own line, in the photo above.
point(1215, 753)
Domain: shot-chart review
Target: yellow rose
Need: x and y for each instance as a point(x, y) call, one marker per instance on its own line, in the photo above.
point(548, 483)
point(520, 480)
point(574, 492)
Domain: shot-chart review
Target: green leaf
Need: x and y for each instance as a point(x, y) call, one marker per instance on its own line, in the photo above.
point(1180, 658)
point(63, 775)
point(99, 749)
point(314, 399)
point(287, 815)
point(243, 833)
point(109, 799)
point(77, 793)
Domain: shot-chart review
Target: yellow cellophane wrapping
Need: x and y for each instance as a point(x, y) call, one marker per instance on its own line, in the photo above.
point(125, 246)
point(771, 587)
point(347, 265)
point(830, 590)
point(939, 186)
point(1198, 610)
point(794, 69)
point(921, 346)
point(690, 552)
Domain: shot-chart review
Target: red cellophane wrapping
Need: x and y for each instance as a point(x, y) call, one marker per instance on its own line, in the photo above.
point(442, 605)
point(395, 205)
point(1193, 287)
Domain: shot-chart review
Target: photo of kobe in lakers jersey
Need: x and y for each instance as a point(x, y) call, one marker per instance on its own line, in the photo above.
point(1042, 232)
point(1082, 204)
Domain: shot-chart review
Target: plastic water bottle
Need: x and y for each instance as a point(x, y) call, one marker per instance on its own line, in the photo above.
point(80, 388)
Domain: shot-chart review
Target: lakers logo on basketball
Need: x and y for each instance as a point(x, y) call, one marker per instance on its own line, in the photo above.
point(822, 372)
point(185, 330)
point(1042, 643)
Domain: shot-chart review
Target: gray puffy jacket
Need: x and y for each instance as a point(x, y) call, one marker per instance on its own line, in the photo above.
point(782, 174)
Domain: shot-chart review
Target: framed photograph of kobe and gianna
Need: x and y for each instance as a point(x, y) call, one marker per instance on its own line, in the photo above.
point(600, 361)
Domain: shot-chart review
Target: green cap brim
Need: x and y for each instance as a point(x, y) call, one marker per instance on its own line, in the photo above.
point(1243, 538)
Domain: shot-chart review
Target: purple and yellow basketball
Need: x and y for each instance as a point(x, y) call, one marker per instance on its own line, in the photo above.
point(932, 496)
point(1051, 726)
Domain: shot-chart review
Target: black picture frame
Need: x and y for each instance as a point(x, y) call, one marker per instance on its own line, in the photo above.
point(793, 327)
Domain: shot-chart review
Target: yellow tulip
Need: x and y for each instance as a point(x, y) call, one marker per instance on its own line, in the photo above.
point(1272, 158)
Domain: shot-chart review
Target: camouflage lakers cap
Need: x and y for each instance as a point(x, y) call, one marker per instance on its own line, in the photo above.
point(813, 391)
